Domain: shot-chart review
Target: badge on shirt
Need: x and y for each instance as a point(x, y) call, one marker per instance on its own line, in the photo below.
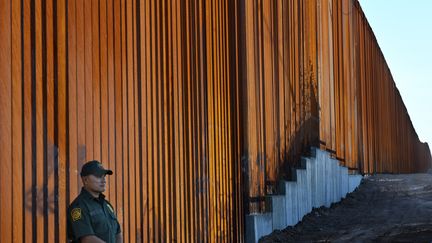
point(76, 214)
point(112, 209)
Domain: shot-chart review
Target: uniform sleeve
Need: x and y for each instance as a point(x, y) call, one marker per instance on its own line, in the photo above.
point(79, 222)
point(111, 208)
point(118, 227)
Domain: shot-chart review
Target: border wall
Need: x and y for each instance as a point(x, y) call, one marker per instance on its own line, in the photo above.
point(200, 107)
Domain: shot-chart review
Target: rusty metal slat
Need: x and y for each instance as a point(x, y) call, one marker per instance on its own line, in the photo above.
point(219, 146)
point(6, 73)
point(197, 104)
point(95, 80)
point(194, 121)
point(137, 88)
point(156, 118)
point(297, 73)
point(340, 104)
point(131, 119)
point(281, 75)
point(27, 121)
point(225, 122)
point(258, 18)
point(250, 123)
point(80, 95)
point(217, 140)
point(148, 206)
point(357, 139)
point(224, 161)
point(228, 129)
point(204, 185)
point(189, 202)
point(214, 144)
point(333, 74)
point(49, 124)
point(124, 84)
point(235, 74)
point(178, 172)
point(172, 193)
point(117, 100)
point(72, 75)
point(369, 107)
point(346, 81)
point(104, 104)
point(62, 108)
point(363, 97)
point(268, 80)
point(38, 119)
point(126, 116)
point(110, 98)
point(219, 129)
point(89, 75)
point(16, 120)
point(324, 77)
point(143, 121)
point(209, 121)
point(162, 110)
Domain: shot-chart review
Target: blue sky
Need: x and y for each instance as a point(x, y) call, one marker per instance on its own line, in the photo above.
point(403, 29)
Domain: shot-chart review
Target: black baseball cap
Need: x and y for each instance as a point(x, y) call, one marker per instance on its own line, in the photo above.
point(94, 167)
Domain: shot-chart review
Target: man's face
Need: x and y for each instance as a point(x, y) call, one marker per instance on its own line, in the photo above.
point(94, 183)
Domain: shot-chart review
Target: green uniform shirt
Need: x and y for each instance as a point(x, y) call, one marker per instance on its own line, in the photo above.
point(88, 215)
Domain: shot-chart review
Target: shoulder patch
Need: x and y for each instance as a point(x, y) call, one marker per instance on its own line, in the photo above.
point(76, 214)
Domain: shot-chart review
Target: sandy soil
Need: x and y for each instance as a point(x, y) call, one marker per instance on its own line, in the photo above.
point(385, 208)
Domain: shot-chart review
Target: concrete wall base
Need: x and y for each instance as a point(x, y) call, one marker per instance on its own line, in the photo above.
point(320, 182)
point(258, 225)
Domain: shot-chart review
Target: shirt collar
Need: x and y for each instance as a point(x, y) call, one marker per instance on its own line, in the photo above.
point(87, 195)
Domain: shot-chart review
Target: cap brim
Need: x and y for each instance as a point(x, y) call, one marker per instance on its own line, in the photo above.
point(103, 172)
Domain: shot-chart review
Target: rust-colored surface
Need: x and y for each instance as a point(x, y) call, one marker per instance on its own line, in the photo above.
point(199, 107)
point(280, 91)
point(316, 77)
point(143, 86)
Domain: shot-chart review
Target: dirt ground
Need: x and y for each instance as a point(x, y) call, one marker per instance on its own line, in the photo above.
point(384, 208)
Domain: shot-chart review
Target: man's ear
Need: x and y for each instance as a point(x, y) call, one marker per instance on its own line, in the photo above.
point(84, 179)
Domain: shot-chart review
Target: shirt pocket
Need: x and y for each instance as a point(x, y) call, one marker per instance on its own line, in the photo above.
point(95, 212)
point(97, 217)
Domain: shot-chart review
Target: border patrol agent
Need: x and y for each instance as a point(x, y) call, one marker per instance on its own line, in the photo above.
point(91, 218)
